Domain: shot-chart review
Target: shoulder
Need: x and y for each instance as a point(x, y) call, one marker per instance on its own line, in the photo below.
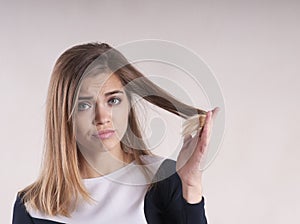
point(166, 183)
point(162, 169)
point(21, 215)
point(167, 173)
point(164, 201)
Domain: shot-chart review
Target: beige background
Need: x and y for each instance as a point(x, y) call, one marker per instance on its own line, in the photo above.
point(253, 48)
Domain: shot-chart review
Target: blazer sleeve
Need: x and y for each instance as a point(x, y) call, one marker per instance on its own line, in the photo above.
point(20, 214)
point(164, 202)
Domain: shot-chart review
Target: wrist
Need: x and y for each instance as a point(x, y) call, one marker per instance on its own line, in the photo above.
point(192, 194)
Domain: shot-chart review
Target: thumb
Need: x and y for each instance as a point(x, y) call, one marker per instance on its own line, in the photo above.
point(187, 139)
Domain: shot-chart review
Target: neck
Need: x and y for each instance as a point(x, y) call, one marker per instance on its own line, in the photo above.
point(105, 163)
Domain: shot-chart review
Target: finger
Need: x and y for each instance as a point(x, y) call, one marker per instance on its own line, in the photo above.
point(215, 111)
point(207, 121)
point(187, 138)
point(204, 138)
point(198, 144)
point(186, 141)
point(210, 116)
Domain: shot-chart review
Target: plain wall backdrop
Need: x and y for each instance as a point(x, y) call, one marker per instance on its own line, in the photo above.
point(252, 47)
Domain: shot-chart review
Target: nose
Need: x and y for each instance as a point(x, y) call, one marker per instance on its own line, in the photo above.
point(102, 115)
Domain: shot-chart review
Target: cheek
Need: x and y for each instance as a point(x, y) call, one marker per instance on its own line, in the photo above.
point(121, 123)
point(83, 124)
point(120, 119)
point(84, 119)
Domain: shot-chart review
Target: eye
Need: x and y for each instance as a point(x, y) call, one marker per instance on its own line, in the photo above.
point(114, 101)
point(83, 106)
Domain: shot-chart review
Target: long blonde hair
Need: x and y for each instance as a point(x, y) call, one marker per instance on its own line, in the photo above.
point(59, 186)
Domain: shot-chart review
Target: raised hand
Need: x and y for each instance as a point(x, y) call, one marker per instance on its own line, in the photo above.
point(189, 159)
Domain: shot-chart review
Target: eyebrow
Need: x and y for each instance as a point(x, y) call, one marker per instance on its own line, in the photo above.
point(85, 98)
point(114, 92)
point(106, 94)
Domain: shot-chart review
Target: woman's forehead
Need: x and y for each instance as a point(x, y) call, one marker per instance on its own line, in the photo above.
point(100, 84)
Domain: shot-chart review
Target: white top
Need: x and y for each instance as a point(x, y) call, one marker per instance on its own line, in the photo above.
point(119, 197)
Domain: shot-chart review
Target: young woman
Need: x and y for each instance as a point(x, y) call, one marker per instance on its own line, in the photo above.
point(96, 166)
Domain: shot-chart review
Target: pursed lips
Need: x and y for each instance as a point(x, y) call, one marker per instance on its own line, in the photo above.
point(104, 134)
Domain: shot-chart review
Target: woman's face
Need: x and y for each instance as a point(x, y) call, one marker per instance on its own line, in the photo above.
point(102, 114)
